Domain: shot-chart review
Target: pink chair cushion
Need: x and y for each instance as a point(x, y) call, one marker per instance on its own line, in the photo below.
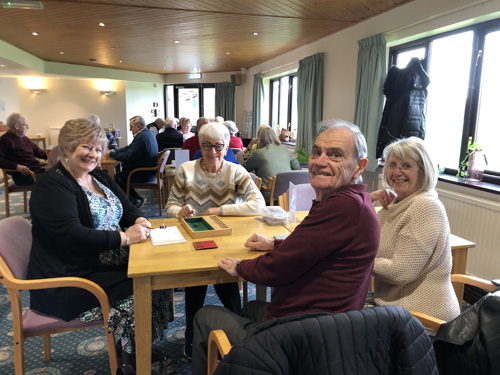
point(35, 321)
point(15, 245)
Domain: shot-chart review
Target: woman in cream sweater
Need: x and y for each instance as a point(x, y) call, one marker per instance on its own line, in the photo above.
point(413, 265)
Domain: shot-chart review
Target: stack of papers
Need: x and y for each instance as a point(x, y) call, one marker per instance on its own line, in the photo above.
point(166, 236)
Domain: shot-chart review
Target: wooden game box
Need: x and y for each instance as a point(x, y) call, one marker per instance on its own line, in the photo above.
point(205, 226)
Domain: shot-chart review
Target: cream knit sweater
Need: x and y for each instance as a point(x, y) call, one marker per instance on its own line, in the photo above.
point(413, 265)
point(232, 189)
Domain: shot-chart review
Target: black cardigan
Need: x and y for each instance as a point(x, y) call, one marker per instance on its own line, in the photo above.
point(65, 243)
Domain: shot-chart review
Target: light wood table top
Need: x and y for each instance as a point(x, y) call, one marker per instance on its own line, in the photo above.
point(459, 249)
point(180, 265)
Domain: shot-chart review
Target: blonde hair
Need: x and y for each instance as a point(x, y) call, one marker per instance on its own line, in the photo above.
point(77, 131)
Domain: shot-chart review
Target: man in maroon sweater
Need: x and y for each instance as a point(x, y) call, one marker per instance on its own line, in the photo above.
point(325, 264)
point(18, 152)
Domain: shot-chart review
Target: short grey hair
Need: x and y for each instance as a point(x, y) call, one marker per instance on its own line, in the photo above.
point(80, 130)
point(360, 147)
point(267, 136)
point(138, 120)
point(412, 148)
point(231, 126)
point(13, 119)
point(216, 131)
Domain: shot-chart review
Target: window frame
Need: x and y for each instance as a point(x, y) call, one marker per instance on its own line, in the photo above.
point(291, 77)
point(199, 86)
point(470, 125)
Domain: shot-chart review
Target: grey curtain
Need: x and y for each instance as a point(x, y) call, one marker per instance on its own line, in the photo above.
point(258, 98)
point(309, 99)
point(372, 69)
point(225, 101)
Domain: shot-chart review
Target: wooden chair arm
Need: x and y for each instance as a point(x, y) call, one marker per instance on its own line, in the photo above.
point(32, 174)
point(427, 320)
point(472, 280)
point(76, 282)
point(217, 343)
point(155, 168)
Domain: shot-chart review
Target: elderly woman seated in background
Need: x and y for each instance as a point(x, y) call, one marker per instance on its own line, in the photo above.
point(78, 214)
point(234, 142)
point(185, 128)
point(254, 143)
point(212, 186)
point(413, 265)
point(271, 157)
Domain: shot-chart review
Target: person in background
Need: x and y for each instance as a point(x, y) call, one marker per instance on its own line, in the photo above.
point(413, 265)
point(185, 128)
point(235, 141)
point(112, 144)
point(156, 126)
point(83, 225)
point(170, 137)
point(270, 157)
point(19, 153)
point(325, 264)
point(142, 152)
point(231, 192)
point(193, 144)
point(219, 120)
point(254, 143)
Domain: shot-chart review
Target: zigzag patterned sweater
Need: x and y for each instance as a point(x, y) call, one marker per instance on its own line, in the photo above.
point(232, 189)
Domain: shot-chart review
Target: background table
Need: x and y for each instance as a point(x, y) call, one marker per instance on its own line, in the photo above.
point(108, 164)
point(180, 265)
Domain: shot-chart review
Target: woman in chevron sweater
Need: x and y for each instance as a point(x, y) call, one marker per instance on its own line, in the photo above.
point(212, 186)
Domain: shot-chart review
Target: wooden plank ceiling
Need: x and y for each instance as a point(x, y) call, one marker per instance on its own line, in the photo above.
point(213, 35)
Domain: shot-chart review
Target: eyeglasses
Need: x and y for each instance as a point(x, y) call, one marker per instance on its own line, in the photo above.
point(208, 146)
point(22, 124)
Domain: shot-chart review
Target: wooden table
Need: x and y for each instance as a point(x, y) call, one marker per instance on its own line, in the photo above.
point(39, 139)
point(108, 165)
point(459, 250)
point(180, 265)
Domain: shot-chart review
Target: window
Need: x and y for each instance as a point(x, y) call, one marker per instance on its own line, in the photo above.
point(283, 108)
point(462, 97)
point(192, 101)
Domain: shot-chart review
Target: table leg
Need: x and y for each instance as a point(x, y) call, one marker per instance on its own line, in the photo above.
point(459, 266)
point(143, 324)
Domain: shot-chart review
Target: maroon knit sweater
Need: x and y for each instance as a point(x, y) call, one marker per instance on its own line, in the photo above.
point(326, 263)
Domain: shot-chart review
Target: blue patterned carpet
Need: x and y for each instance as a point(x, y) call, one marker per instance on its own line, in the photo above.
point(85, 352)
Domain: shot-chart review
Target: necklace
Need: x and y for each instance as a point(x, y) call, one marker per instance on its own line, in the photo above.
point(210, 174)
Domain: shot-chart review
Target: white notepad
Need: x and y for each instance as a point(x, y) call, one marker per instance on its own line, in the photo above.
point(166, 236)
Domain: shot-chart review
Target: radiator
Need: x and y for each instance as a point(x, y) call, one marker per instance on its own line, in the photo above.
point(477, 220)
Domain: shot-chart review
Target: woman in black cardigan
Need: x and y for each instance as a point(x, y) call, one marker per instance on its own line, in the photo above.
point(83, 225)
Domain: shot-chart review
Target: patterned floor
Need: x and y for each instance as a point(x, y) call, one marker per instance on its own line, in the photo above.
point(85, 352)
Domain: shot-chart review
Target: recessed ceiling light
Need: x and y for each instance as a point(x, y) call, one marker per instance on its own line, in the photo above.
point(227, 53)
point(101, 24)
point(61, 53)
point(211, 64)
point(2, 65)
point(34, 33)
point(256, 33)
point(177, 41)
point(120, 61)
point(21, 4)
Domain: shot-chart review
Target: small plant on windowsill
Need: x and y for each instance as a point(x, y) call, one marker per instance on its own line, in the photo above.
point(464, 164)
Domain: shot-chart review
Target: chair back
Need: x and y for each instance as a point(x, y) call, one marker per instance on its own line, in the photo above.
point(284, 178)
point(53, 157)
point(15, 246)
point(305, 196)
point(163, 161)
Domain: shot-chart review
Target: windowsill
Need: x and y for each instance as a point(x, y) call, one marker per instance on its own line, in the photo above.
point(482, 186)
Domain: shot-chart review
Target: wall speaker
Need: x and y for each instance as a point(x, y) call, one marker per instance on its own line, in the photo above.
point(236, 79)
